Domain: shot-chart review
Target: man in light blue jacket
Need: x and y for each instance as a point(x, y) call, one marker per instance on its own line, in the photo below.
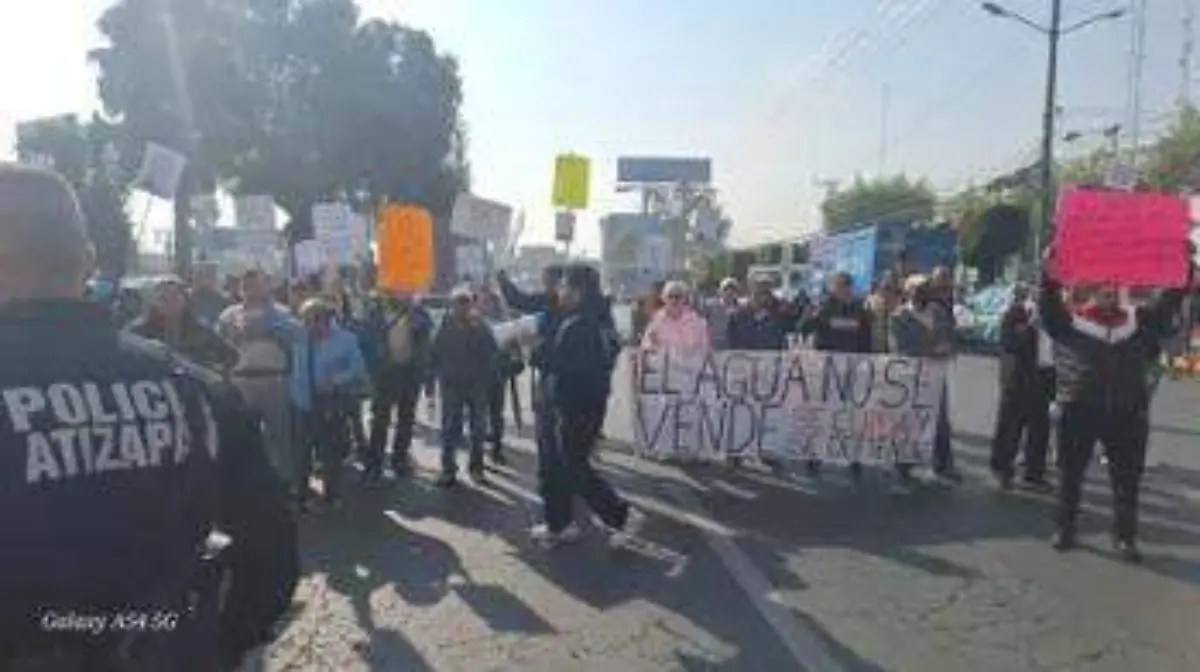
point(329, 378)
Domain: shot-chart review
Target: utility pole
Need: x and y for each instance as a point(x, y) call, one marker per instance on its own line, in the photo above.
point(1185, 56)
point(1137, 58)
point(1053, 33)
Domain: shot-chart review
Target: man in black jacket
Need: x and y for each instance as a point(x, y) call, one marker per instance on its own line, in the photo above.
point(1026, 389)
point(840, 324)
point(117, 461)
point(1102, 356)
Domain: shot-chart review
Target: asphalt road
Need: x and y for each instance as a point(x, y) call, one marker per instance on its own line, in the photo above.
point(748, 571)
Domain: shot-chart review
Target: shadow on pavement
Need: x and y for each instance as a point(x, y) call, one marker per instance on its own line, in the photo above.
point(668, 565)
point(1167, 516)
point(352, 559)
point(366, 548)
point(870, 518)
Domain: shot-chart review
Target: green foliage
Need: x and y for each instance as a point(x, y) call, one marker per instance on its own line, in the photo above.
point(1091, 169)
point(296, 99)
point(1173, 164)
point(990, 232)
point(881, 199)
point(89, 157)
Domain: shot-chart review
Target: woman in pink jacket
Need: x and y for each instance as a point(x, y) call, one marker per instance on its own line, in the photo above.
point(676, 326)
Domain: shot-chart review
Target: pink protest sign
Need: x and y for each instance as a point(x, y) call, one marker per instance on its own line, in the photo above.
point(1127, 238)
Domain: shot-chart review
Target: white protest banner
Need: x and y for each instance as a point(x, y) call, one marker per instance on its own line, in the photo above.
point(470, 260)
point(161, 171)
point(481, 219)
point(310, 257)
point(330, 220)
point(333, 225)
point(255, 212)
point(797, 404)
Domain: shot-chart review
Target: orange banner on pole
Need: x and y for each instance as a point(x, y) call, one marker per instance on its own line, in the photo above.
point(405, 252)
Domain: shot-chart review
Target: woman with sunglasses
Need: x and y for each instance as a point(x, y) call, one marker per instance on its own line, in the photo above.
point(677, 326)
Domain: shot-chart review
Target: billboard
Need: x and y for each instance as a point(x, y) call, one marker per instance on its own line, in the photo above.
point(658, 170)
point(850, 252)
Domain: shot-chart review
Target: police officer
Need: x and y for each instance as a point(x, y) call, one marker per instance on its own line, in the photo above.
point(117, 461)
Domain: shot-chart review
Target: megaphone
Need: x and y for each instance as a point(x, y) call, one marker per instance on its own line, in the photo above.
point(517, 330)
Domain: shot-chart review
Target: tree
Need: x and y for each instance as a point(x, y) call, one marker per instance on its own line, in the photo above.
point(89, 156)
point(891, 199)
point(990, 232)
point(290, 98)
point(1173, 163)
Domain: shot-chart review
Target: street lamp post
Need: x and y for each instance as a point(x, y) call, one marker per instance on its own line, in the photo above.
point(1054, 32)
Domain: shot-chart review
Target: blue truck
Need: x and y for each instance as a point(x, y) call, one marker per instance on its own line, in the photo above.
point(868, 251)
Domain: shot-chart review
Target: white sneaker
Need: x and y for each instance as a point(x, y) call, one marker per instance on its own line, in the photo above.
point(541, 534)
point(633, 525)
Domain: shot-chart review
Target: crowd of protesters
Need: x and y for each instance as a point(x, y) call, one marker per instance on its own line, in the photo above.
point(1083, 354)
point(307, 356)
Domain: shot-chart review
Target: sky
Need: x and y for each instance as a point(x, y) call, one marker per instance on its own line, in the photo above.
point(780, 94)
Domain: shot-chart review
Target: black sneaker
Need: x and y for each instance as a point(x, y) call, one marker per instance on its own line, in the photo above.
point(812, 468)
point(1036, 483)
point(498, 457)
point(478, 476)
point(1064, 539)
point(1127, 549)
point(448, 479)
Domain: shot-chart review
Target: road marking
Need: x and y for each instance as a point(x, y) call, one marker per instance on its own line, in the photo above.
point(802, 643)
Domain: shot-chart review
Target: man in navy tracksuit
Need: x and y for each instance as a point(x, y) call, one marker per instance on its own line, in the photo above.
point(577, 370)
point(1102, 354)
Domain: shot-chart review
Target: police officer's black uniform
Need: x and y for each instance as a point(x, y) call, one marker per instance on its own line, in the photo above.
point(117, 459)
